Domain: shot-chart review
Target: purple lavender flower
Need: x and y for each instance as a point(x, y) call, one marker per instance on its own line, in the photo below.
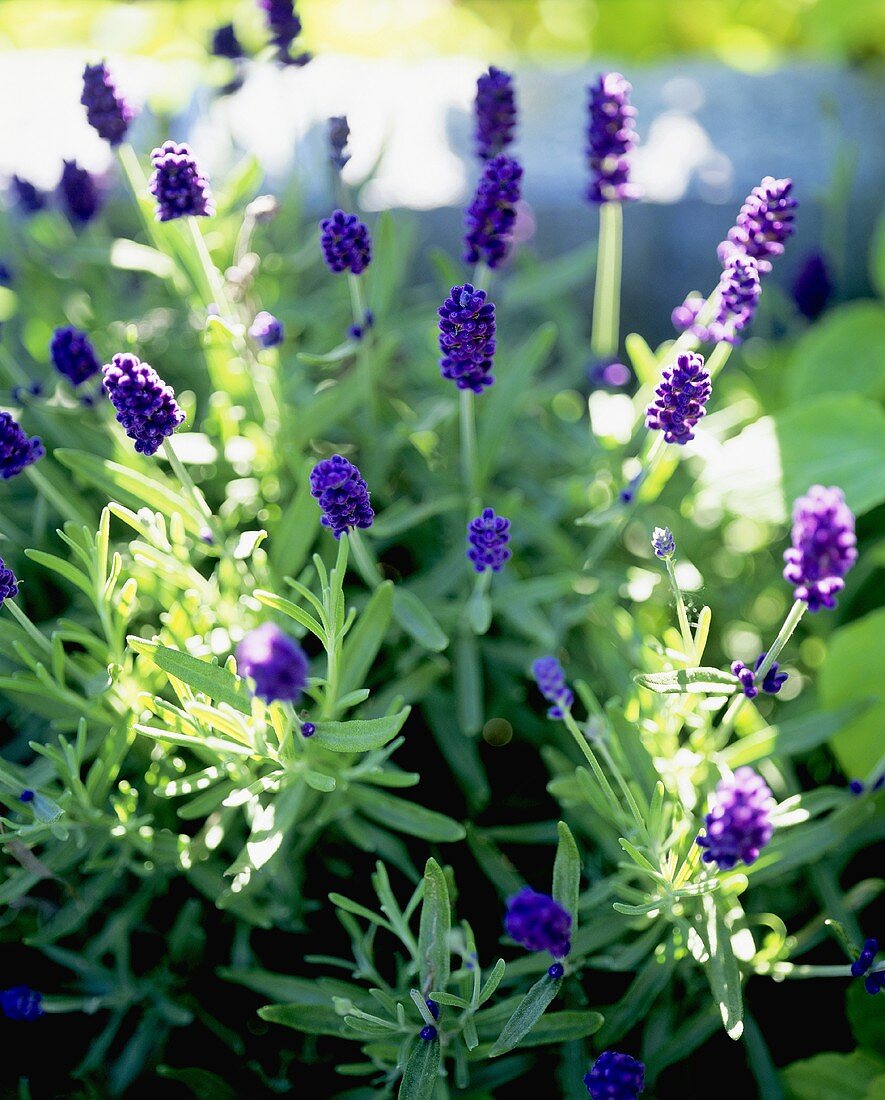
point(738, 825)
point(556, 970)
point(812, 286)
point(73, 355)
point(684, 391)
point(495, 111)
point(746, 678)
point(342, 494)
point(467, 338)
point(346, 243)
point(488, 221)
point(663, 543)
point(866, 958)
point(487, 538)
point(8, 583)
point(685, 317)
point(737, 297)
point(610, 374)
point(874, 983)
point(28, 198)
point(615, 1076)
point(16, 450)
point(21, 1003)
point(308, 729)
point(178, 185)
point(611, 135)
point(5, 274)
point(284, 26)
point(764, 223)
point(146, 406)
point(428, 1033)
point(824, 547)
point(550, 678)
point(107, 111)
point(225, 43)
point(773, 680)
point(276, 663)
point(80, 193)
point(266, 330)
point(856, 787)
point(358, 332)
point(432, 1007)
point(339, 135)
point(538, 922)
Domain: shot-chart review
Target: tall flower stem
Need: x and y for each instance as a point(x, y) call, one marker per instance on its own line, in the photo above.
point(364, 355)
point(718, 358)
point(333, 599)
point(482, 276)
point(572, 726)
point(469, 463)
point(25, 623)
point(214, 281)
point(607, 292)
point(681, 614)
point(187, 483)
point(786, 632)
point(366, 566)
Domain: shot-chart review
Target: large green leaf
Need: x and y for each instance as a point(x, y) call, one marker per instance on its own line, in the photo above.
point(704, 681)
point(567, 873)
point(309, 1019)
point(422, 1071)
point(828, 1076)
point(365, 639)
point(210, 679)
point(433, 935)
point(359, 735)
point(842, 353)
point(406, 817)
point(527, 1013)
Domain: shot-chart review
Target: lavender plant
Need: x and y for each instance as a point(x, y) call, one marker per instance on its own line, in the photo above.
point(247, 656)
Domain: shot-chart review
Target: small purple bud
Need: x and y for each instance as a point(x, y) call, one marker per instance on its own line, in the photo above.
point(556, 970)
point(27, 795)
point(428, 1033)
point(308, 729)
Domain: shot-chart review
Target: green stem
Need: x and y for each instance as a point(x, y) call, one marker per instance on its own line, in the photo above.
point(67, 505)
point(364, 356)
point(607, 292)
point(28, 627)
point(718, 358)
point(572, 726)
point(187, 483)
point(469, 465)
point(213, 278)
point(786, 631)
point(681, 614)
point(333, 596)
point(481, 277)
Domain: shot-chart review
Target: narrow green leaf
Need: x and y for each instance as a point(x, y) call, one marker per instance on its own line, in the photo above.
point(422, 1071)
point(492, 981)
point(561, 1027)
point(406, 817)
point(210, 679)
point(360, 734)
point(709, 681)
point(63, 568)
point(308, 1019)
point(722, 968)
point(286, 607)
point(411, 614)
point(436, 923)
point(529, 1010)
point(567, 873)
point(643, 359)
point(365, 639)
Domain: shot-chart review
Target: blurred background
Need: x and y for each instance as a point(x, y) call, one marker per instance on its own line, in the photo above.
point(727, 91)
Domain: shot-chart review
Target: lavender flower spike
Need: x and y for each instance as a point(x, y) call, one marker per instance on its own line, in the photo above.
point(339, 135)
point(346, 243)
point(16, 450)
point(488, 221)
point(615, 1076)
point(178, 185)
point(495, 111)
point(284, 26)
point(737, 297)
point(611, 136)
point(225, 43)
point(467, 338)
point(538, 922)
point(79, 192)
point(765, 222)
point(8, 583)
point(550, 678)
point(487, 539)
point(866, 958)
point(146, 406)
point(276, 663)
point(107, 111)
point(266, 330)
point(738, 825)
point(29, 199)
point(73, 355)
point(824, 547)
point(342, 494)
point(663, 543)
point(684, 391)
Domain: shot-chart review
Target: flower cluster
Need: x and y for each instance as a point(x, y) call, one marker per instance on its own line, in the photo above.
point(146, 406)
point(550, 678)
point(284, 26)
point(266, 330)
point(487, 539)
point(467, 338)
point(738, 825)
point(339, 135)
point(681, 398)
point(16, 450)
point(611, 135)
point(225, 43)
point(80, 193)
point(736, 298)
point(765, 222)
point(495, 112)
point(346, 243)
point(8, 583)
point(488, 221)
point(276, 663)
point(28, 198)
point(772, 682)
point(342, 494)
point(178, 185)
point(73, 355)
point(21, 1003)
point(538, 922)
point(812, 286)
point(615, 1076)
point(663, 543)
point(107, 110)
point(824, 547)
